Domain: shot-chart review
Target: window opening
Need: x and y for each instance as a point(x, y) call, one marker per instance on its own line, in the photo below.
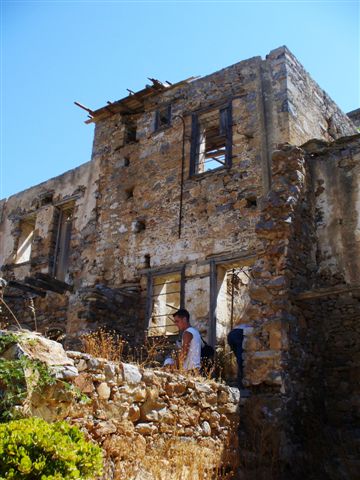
point(62, 248)
point(165, 299)
point(27, 228)
point(211, 141)
point(130, 131)
point(232, 297)
point(163, 117)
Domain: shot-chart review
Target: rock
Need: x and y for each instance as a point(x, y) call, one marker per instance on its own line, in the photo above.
point(103, 391)
point(146, 428)
point(110, 372)
point(206, 429)
point(203, 388)
point(104, 428)
point(148, 376)
point(84, 383)
point(81, 365)
point(261, 294)
point(94, 364)
point(64, 373)
point(151, 403)
point(175, 388)
point(234, 394)
point(134, 413)
point(40, 348)
point(223, 397)
point(152, 416)
point(131, 374)
point(228, 409)
point(139, 394)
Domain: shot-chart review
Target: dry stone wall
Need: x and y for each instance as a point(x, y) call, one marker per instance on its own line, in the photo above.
point(150, 423)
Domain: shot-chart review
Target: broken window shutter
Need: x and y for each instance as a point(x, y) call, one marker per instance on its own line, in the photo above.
point(223, 121)
point(226, 129)
point(194, 143)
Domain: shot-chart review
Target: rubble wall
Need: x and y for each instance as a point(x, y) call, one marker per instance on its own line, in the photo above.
point(301, 345)
point(311, 112)
point(146, 409)
point(41, 203)
point(142, 208)
point(330, 311)
point(150, 423)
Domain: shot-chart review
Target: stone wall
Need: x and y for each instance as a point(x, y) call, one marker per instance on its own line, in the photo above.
point(330, 310)
point(139, 212)
point(355, 117)
point(301, 348)
point(335, 174)
point(42, 204)
point(150, 423)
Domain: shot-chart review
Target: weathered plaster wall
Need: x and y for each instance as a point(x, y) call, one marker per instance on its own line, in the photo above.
point(40, 202)
point(335, 173)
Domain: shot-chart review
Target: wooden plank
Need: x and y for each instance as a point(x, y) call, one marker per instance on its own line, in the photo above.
point(53, 281)
point(26, 288)
point(212, 306)
point(325, 292)
point(43, 285)
point(194, 143)
point(228, 156)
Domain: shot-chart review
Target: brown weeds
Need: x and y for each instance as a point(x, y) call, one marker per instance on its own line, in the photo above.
point(104, 344)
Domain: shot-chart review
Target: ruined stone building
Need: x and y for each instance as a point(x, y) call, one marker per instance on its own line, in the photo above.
point(235, 195)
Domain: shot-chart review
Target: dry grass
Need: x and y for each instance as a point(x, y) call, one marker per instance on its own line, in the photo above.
point(177, 458)
point(104, 344)
point(110, 345)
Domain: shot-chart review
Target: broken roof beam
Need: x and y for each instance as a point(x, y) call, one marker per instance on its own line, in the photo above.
point(54, 282)
point(26, 288)
point(156, 83)
point(91, 112)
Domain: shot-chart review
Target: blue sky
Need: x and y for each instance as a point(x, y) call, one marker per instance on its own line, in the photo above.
point(55, 52)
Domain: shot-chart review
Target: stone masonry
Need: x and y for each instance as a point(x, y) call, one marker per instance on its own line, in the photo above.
point(236, 196)
point(150, 423)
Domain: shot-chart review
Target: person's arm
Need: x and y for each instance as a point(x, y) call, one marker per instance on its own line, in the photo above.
point(186, 340)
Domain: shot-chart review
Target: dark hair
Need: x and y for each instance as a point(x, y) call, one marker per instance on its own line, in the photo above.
point(182, 313)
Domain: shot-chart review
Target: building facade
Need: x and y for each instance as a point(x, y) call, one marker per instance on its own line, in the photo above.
point(236, 196)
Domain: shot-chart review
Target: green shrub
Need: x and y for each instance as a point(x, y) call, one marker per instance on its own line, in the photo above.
point(6, 340)
point(34, 449)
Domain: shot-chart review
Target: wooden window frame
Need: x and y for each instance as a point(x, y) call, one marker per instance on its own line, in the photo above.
point(225, 130)
point(150, 284)
point(63, 242)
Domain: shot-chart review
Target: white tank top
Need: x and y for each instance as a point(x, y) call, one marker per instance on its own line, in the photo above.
point(193, 357)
